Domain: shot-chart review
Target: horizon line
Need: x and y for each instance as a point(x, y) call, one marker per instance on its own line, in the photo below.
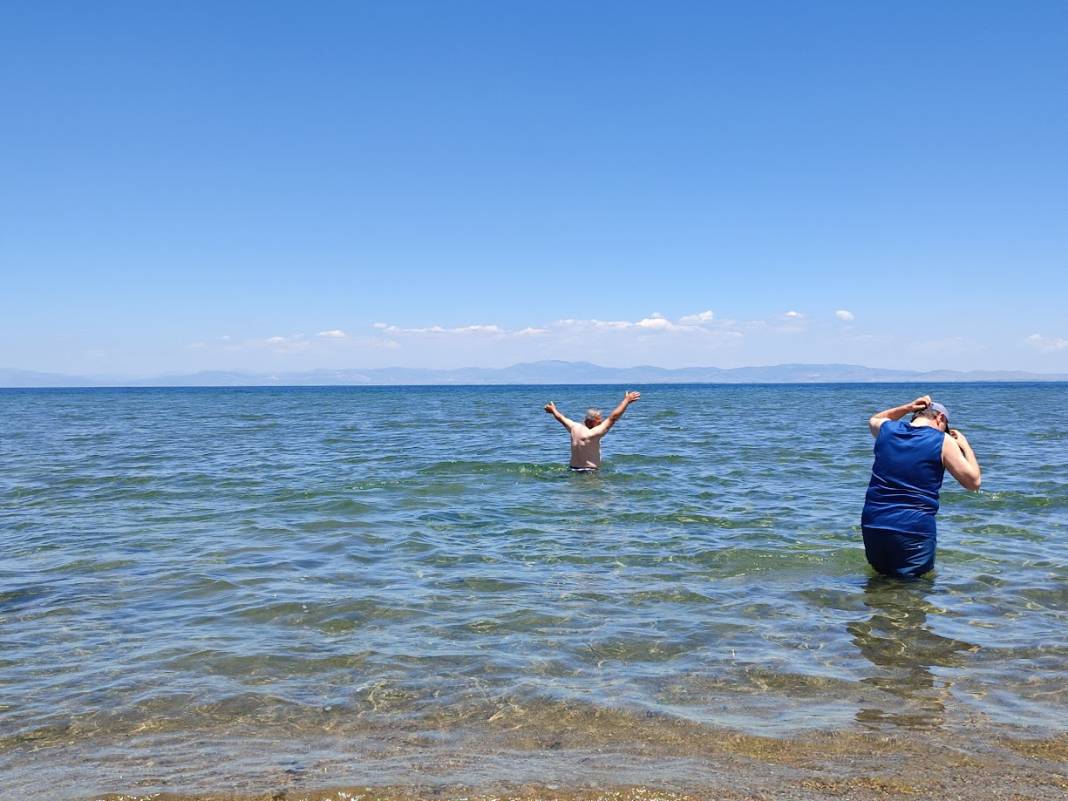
point(378, 376)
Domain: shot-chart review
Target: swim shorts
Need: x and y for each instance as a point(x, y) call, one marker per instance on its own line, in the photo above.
point(896, 553)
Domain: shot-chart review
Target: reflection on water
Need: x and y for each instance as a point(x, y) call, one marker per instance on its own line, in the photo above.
point(905, 653)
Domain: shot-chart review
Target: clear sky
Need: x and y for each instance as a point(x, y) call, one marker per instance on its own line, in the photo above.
point(272, 185)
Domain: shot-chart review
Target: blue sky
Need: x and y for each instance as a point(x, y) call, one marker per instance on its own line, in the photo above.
point(275, 186)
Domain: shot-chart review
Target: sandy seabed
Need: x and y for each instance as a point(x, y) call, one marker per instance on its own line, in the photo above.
point(697, 763)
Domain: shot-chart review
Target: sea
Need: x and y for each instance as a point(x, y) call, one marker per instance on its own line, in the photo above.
point(256, 590)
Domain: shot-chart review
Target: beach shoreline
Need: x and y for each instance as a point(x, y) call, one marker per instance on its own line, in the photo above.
point(704, 764)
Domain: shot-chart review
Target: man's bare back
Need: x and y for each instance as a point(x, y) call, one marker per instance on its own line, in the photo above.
point(586, 436)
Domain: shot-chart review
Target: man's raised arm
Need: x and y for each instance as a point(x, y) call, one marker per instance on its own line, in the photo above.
point(876, 421)
point(550, 407)
point(602, 427)
point(960, 461)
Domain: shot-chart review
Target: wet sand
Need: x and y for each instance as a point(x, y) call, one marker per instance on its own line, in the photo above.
point(668, 760)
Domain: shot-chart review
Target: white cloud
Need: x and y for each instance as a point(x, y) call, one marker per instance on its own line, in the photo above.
point(331, 343)
point(599, 325)
point(437, 329)
point(701, 330)
point(844, 315)
point(1047, 344)
point(656, 322)
point(701, 324)
point(697, 319)
point(791, 322)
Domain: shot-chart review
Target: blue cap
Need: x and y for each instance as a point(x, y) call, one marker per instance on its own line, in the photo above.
point(938, 407)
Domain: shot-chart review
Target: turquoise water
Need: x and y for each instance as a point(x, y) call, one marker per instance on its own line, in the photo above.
point(414, 566)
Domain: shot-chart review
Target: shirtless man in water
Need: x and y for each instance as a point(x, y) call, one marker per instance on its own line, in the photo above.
point(586, 436)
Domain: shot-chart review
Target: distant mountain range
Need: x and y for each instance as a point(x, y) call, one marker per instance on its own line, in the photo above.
point(543, 372)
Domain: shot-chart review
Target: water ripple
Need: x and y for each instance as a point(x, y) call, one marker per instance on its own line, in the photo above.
point(290, 561)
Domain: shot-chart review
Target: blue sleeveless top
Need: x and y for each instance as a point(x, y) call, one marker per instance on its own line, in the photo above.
point(905, 479)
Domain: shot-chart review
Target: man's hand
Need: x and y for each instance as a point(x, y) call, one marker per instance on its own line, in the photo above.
point(550, 407)
point(876, 421)
point(960, 438)
point(602, 427)
point(920, 403)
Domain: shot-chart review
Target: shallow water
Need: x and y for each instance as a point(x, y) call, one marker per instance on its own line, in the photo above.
point(330, 566)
